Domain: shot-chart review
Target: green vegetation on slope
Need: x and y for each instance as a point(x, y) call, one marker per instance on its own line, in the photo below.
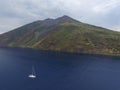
point(73, 37)
point(64, 34)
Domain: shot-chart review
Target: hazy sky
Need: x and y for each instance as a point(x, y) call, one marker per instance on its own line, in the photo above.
point(15, 13)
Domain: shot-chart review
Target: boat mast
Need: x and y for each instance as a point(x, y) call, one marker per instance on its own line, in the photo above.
point(33, 70)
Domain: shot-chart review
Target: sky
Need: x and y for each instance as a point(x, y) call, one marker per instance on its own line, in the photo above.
point(15, 13)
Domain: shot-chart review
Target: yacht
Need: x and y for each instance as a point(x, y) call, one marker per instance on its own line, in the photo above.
point(32, 75)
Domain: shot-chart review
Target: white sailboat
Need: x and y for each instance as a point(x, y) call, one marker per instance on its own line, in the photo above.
point(32, 75)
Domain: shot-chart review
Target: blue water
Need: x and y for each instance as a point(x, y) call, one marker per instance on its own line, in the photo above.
point(57, 71)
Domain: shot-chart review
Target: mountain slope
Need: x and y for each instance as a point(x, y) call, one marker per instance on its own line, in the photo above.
point(64, 34)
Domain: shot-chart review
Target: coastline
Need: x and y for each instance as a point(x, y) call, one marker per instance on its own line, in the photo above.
point(61, 51)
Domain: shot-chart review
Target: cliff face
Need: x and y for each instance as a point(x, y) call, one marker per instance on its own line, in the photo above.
point(63, 34)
